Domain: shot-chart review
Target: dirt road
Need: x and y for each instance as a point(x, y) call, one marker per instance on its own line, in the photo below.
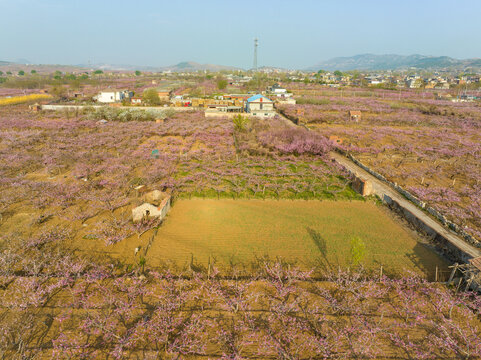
point(382, 189)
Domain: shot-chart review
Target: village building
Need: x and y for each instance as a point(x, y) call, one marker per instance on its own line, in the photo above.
point(217, 103)
point(241, 98)
point(286, 101)
point(113, 96)
point(136, 101)
point(276, 89)
point(415, 83)
point(335, 139)
point(355, 115)
point(261, 106)
point(156, 205)
point(442, 85)
point(35, 107)
point(279, 92)
point(164, 95)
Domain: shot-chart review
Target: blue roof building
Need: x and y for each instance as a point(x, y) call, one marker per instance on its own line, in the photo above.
point(259, 105)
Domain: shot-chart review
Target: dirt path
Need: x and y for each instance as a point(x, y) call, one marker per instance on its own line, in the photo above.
point(382, 189)
point(286, 120)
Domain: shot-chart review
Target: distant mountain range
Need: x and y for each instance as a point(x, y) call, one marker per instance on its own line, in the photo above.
point(395, 62)
point(17, 61)
point(193, 66)
point(185, 66)
point(367, 62)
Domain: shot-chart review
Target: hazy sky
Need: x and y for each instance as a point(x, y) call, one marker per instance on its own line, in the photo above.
point(292, 34)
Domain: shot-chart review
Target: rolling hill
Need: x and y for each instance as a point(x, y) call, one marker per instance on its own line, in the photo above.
point(395, 62)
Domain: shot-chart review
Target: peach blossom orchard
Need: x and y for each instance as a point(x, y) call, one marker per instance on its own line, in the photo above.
point(59, 304)
point(430, 147)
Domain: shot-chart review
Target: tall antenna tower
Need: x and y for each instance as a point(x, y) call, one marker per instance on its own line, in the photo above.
point(256, 44)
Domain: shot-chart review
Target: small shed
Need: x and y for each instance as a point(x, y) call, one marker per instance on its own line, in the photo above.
point(355, 115)
point(335, 139)
point(362, 186)
point(164, 95)
point(35, 107)
point(470, 274)
point(149, 211)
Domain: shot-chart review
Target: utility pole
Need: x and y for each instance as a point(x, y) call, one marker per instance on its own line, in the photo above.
point(256, 44)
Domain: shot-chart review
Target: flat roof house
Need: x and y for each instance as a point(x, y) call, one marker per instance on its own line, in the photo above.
point(261, 106)
point(113, 96)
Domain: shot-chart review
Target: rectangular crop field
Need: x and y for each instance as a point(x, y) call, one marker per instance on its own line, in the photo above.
point(306, 232)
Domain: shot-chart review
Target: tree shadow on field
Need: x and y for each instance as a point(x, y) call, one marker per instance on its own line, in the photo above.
point(321, 244)
point(425, 260)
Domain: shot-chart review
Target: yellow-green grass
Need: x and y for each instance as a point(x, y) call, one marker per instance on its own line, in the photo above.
point(306, 232)
point(23, 99)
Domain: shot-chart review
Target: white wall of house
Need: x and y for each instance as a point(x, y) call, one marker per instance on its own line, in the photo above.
point(263, 113)
point(108, 96)
point(260, 106)
point(113, 96)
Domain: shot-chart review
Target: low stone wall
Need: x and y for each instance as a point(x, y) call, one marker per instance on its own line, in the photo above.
point(69, 107)
point(221, 114)
point(294, 120)
point(165, 207)
point(444, 246)
point(56, 107)
point(436, 214)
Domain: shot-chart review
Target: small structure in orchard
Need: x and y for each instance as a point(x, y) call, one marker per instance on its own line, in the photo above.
point(155, 197)
point(35, 107)
point(362, 186)
point(335, 139)
point(300, 115)
point(156, 205)
point(355, 115)
point(467, 276)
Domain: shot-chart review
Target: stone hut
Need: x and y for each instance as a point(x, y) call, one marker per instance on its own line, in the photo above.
point(362, 186)
point(335, 139)
point(156, 205)
point(35, 107)
point(355, 115)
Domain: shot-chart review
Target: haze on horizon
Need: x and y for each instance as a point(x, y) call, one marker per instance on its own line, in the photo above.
point(291, 34)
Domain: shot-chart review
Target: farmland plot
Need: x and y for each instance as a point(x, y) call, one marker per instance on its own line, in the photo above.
point(311, 233)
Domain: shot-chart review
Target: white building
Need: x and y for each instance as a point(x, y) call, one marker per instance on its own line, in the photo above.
point(286, 101)
point(113, 96)
point(259, 105)
point(276, 90)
